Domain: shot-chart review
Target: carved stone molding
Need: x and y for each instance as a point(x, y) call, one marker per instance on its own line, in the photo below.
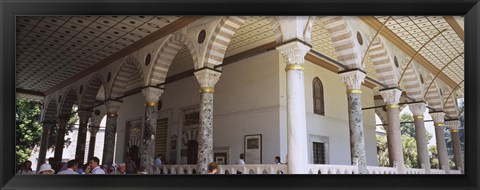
point(391, 96)
point(112, 106)
point(453, 125)
point(294, 52)
point(438, 117)
point(353, 79)
point(417, 108)
point(152, 94)
point(207, 78)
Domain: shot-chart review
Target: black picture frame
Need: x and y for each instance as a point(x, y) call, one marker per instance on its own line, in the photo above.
point(252, 148)
point(8, 10)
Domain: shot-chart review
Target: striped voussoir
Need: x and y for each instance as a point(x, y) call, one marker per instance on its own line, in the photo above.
point(411, 82)
point(275, 24)
point(384, 67)
point(89, 95)
point(433, 97)
point(69, 99)
point(450, 107)
point(51, 110)
point(221, 37)
point(166, 55)
point(128, 76)
point(342, 39)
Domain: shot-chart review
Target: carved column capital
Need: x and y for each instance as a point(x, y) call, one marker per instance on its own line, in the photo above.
point(438, 118)
point(93, 129)
point(453, 125)
point(112, 107)
point(207, 78)
point(391, 96)
point(152, 95)
point(294, 52)
point(417, 108)
point(353, 79)
point(83, 115)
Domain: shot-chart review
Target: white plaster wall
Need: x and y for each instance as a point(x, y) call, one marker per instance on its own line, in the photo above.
point(132, 108)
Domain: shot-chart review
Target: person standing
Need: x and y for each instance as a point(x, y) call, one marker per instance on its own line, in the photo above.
point(241, 161)
point(121, 170)
point(212, 168)
point(72, 168)
point(131, 166)
point(46, 169)
point(93, 162)
point(277, 160)
point(158, 160)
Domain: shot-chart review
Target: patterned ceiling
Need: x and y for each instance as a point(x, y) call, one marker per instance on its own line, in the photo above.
point(54, 48)
point(417, 30)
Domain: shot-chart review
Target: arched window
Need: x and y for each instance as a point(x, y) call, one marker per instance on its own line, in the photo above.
point(318, 107)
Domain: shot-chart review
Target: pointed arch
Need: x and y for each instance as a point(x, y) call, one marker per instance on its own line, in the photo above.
point(346, 49)
point(50, 110)
point(129, 75)
point(90, 91)
point(318, 97)
point(165, 56)
point(450, 107)
point(412, 80)
point(67, 101)
point(433, 97)
point(383, 63)
point(221, 37)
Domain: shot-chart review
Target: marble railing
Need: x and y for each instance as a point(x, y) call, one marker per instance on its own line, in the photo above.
point(282, 169)
point(224, 169)
point(381, 170)
point(415, 171)
point(332, 169)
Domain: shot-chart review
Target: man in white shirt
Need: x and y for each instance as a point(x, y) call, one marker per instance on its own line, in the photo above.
point(241, 161)
point(93, 162)
point(72, 168)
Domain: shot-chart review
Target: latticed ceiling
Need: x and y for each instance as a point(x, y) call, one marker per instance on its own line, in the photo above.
point(416, 31)
point(51, 49)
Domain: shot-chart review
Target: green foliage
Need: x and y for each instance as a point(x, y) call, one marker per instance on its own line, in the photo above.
point(52, 140)
point(409, 144)
point(28, 129)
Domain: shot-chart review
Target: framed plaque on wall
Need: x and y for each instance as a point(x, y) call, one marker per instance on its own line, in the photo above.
point(253, 149)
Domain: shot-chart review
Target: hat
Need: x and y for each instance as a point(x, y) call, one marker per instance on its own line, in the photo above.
point(45, 167)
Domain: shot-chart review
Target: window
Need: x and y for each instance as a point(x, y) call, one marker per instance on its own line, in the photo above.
point(318, 153)
point(318, 107)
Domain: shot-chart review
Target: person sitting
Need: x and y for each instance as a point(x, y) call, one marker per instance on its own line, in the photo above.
point(25, 168)
point(212, 168)
point(72, 167)
point(46, 169)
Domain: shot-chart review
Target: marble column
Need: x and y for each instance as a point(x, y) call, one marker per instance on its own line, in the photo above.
point(453, 126)
point(294, 55)
point(93, 137)
point(353, 80)
point(44, 142)
point(152, 95)
point(207, 78)
point(84, 115)
point(62, 126)
point(420, 135)
point(93, 128)
point(110, 131)
point(438, 122)
point(395, 151)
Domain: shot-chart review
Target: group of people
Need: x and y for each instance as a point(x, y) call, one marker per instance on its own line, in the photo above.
point(74, 167)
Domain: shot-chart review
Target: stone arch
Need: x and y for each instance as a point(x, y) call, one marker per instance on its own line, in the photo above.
point(221, 37)
point(450, 106)
point(129, 74)
point(90, 91)
point(411, 80)
point(165, 57)
point(433, 97)
point(347, 51)
point(383, 63)
point(67, 101)
point(50, 110)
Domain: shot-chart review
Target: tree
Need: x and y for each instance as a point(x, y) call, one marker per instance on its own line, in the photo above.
point(52, 140)
point(407, 128)
point(28, 129)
